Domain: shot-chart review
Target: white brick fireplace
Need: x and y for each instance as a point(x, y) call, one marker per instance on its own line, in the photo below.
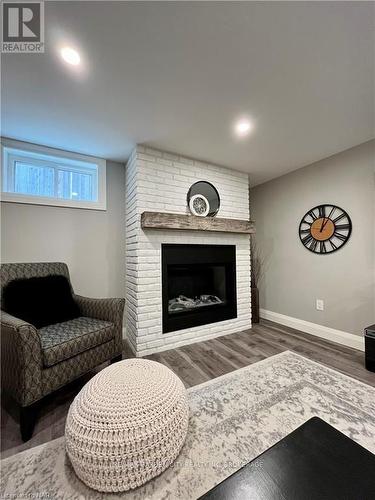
point(158, 181)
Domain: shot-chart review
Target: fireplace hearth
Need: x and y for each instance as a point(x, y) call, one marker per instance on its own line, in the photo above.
point(199, 285)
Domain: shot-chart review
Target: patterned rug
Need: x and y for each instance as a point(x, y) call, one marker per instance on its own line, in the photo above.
point(233, 419)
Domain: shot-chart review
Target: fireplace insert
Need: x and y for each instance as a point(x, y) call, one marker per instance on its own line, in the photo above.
point(198, 285)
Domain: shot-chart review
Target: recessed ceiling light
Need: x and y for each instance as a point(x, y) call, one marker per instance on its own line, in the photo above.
point(243, 127)
point(70, 56)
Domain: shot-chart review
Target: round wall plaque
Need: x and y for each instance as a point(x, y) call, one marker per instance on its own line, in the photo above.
point(199, 205)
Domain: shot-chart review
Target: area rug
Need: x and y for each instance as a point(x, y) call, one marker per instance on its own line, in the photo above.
point(234, 418)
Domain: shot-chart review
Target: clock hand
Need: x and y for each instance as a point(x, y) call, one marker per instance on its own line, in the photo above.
point(327, 219)
point(322, 226)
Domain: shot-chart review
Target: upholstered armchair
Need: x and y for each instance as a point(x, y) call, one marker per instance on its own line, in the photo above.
point(36, 362)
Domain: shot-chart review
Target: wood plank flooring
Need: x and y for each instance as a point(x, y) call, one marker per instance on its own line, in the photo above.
point(195, 364)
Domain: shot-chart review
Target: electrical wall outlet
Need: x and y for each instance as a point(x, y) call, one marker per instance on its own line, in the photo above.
point(320, 304)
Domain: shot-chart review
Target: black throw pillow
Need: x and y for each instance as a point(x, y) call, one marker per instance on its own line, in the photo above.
point(40, 301)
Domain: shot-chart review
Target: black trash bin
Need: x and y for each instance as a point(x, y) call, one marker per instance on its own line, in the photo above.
point(370, 347)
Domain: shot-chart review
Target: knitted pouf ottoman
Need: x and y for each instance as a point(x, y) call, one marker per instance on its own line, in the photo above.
point(127, 425)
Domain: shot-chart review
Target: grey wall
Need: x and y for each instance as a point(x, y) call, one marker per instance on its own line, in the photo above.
point(91, 242)
point(294, 277)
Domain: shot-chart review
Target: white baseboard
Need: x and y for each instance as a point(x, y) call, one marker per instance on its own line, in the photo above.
point(338, 336)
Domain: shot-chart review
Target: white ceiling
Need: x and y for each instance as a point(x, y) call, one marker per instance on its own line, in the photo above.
point(176, 76)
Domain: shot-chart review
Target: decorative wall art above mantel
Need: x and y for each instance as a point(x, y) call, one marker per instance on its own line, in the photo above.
point(203, 199)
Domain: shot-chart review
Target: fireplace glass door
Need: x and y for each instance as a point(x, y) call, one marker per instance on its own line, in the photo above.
point(199, 285)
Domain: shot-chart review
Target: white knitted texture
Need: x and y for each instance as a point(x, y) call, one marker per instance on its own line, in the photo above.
point(127, 425)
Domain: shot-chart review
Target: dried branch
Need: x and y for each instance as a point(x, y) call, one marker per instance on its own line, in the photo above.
point(257, 263)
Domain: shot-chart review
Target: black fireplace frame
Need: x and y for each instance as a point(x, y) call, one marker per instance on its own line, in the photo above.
point(208, 254)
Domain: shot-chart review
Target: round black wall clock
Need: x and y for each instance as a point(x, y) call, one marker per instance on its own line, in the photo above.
point(325, 229)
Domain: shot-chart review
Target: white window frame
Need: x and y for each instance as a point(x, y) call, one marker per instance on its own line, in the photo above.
point(12, 150)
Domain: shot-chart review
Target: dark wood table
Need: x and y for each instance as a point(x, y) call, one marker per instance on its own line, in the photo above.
point(314, 462)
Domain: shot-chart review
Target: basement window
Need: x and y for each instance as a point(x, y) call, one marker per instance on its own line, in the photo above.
point(45, 176)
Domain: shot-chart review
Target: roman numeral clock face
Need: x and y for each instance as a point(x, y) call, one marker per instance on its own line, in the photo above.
point(325, 229)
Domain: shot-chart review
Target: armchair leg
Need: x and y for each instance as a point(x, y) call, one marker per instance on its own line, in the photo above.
point(28, 416)
point(117, 358)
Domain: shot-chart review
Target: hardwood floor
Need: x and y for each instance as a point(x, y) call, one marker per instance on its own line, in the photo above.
point(195, 364)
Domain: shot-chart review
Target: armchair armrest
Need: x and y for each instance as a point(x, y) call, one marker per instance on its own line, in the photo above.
point(7, 320)
point(107, 310)
point(21, 359)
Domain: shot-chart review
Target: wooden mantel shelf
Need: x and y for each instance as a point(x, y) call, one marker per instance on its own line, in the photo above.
point(181, 222)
